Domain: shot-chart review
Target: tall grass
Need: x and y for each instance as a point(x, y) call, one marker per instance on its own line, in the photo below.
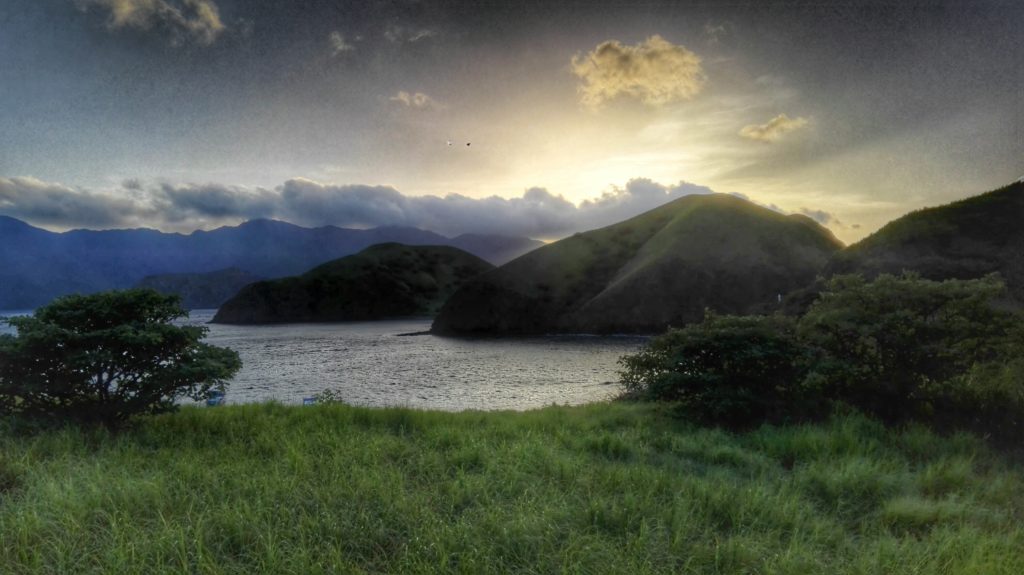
point(605, 488)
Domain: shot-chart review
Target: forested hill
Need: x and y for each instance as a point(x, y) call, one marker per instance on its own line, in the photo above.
point(383, 281)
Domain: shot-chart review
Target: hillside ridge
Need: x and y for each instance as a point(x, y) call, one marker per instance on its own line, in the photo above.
point(660, 268)
point(383, 281)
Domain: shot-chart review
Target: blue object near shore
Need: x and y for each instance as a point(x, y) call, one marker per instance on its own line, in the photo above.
point(214, 399)
point(308, 401)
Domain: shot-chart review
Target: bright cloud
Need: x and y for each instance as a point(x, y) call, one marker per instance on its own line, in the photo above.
point(655, 72)
point(417, 100)
point(822, 217)
point(196, 20)
point(774, 129)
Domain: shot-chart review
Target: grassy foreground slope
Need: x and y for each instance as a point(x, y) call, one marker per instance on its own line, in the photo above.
point(605, 488)
point(661, 268)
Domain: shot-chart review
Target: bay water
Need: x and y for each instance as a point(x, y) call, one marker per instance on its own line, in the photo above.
point(371, 363)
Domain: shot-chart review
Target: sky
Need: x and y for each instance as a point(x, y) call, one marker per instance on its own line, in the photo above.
point(523, 118)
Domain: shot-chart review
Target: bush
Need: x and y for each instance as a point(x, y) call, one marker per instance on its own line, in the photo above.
point(731, 370)
point(989, 398)
point(899, 348)
point(106, 357)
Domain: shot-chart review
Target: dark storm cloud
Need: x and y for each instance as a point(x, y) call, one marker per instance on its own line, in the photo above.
point(537, 213)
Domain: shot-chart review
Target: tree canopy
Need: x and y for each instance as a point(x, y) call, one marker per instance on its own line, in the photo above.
point(106, 357)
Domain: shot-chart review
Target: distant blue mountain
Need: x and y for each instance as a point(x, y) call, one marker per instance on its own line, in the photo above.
point(37, 265)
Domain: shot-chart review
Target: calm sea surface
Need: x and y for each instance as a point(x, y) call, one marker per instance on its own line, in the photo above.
point(370, 364)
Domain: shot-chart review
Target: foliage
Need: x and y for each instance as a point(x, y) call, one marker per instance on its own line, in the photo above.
point(603, 488)
point(899, 348)
point(106, 357)
point(329, 396)
point(894, 346)
point(988, 398)
point(726, 369)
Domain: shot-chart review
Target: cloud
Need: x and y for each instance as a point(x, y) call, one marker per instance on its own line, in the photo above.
point(184, 207)
point(132, 184)
point(824, 218)
point(636, 197)
point(212, 202)
point(52, 204)
point(771, 206)
point(774, 129)
point(536, 213)
point(820, 216)
point(417, 100)
point(716, 32)
point(655, 71)
point(397, 34)
point(339, 45)
point(196, 20)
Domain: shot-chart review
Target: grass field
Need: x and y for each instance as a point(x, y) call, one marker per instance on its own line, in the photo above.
point(605, 488)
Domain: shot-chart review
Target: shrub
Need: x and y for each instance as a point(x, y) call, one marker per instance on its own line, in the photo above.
point(948, 354)
point(989, 398)
point(727, 369)
point(898, 347)
point(106, 357)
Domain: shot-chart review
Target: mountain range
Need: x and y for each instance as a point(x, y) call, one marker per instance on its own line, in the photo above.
point(665, 267)
point(202, 290)
point(37, 265)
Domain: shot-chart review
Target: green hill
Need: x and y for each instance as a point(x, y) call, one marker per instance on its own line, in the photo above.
point(964, 239)
point(661, 268)
point(382, 281)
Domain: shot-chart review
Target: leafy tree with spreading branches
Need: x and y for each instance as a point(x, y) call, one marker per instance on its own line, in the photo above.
point(107, 357)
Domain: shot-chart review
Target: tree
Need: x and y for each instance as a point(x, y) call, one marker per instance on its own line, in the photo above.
point(893, 346)
point(901, 348)
point(728, 370)
point(104, 358)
